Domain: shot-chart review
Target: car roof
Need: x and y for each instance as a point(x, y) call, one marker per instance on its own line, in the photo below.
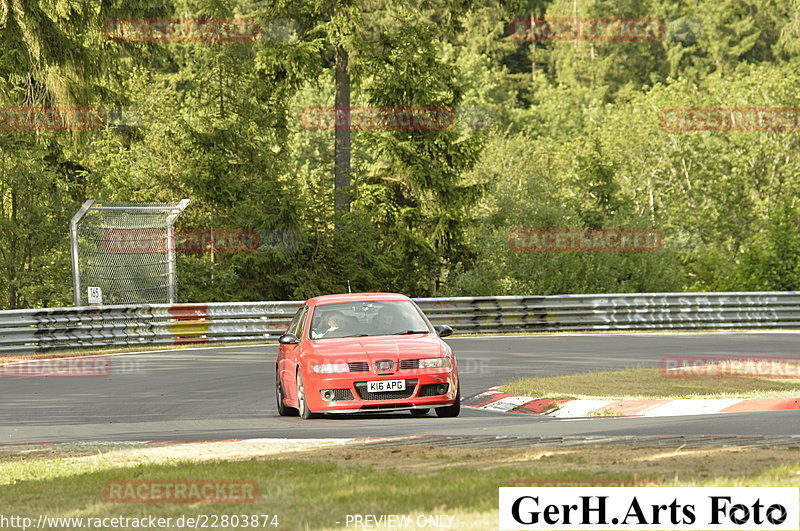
point(356, 297)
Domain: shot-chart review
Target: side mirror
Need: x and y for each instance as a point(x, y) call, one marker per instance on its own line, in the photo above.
point(288, 339)
point(443, 330)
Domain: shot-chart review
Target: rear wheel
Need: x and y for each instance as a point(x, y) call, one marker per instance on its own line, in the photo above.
point(453, 410)
point(283, 410)
point(302, 403)
point(419, 412)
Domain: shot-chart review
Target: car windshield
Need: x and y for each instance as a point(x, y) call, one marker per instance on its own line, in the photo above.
point(367, 318)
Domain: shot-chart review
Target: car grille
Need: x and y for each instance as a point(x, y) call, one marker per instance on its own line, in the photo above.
point(358, 366)
point(361, 389)
point(340, 394)
point(430, 390)
point(409, 364)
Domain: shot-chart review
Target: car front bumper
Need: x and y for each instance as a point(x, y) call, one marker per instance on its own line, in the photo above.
point(423, 381)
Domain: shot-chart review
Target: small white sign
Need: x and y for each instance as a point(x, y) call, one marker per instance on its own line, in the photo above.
point(95, 295)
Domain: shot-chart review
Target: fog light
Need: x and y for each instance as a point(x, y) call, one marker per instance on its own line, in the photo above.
point(328, 395)
point(441, 389)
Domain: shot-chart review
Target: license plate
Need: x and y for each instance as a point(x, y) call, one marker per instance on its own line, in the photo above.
point(383, 386)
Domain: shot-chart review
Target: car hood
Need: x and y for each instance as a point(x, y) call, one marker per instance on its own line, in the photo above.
point(379, 347)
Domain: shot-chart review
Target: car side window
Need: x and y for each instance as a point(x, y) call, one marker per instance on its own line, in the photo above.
point(296, 327)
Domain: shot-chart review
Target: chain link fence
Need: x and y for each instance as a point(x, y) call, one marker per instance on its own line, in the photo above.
point(124, 253)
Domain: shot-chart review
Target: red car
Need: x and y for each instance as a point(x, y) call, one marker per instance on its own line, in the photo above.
point(365, 352)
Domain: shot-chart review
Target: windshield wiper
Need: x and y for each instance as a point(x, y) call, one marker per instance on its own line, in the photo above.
point(407, 332)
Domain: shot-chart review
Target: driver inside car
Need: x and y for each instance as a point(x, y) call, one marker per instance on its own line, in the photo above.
point(386, 322)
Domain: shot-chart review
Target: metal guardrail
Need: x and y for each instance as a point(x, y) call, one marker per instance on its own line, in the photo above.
point(99, 326)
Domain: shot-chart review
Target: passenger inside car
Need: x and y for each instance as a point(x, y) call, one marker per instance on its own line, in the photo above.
point(334, 324)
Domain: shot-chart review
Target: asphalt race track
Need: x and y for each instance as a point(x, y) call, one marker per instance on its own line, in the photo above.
point(227, 393)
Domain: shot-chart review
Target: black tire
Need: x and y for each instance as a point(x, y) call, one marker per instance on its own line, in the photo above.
point(452, 410)
point(302, 404)
point(419, 412)
point(283, 409)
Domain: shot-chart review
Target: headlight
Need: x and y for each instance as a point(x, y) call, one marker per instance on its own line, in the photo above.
point(431, 363)
point(330, 367)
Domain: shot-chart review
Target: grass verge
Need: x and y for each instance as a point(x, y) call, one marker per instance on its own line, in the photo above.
point(647, 383)
point(315, 489)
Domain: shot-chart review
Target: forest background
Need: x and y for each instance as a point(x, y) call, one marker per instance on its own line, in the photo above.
point(548, 134)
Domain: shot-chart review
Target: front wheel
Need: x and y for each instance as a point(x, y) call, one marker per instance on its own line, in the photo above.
point(283, 410)
point(453, 410)
point(302, 404)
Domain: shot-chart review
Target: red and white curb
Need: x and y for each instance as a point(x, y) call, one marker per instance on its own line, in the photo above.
point(494, 400)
